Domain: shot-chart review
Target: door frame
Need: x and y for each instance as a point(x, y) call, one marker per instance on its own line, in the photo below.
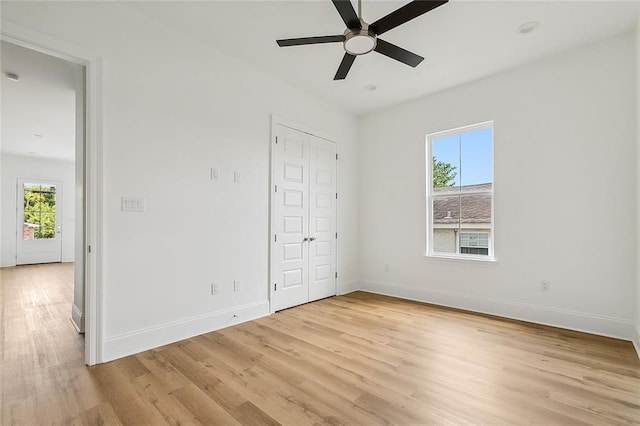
point(275, 121)
point(20, 210)
point(93, 253)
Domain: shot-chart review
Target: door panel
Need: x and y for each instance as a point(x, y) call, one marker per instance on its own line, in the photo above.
point(39, 215)
point(291, 210)
point(322, 213)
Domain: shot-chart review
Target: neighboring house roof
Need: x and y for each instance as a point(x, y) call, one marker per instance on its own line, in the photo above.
point(474, 208)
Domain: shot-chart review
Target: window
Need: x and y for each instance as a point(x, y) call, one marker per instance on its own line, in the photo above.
point(39, 211)
point(460, 192)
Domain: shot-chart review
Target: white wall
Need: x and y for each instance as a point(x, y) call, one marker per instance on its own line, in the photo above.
point(564, 129)
point(173, 108)
point(17, 166)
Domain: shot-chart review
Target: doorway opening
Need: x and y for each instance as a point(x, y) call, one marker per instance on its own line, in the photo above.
point(43, 180)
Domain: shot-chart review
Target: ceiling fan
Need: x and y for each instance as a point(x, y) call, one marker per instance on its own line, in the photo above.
point(361, 38)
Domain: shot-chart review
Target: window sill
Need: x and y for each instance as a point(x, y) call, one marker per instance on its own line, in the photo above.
point(483, 259)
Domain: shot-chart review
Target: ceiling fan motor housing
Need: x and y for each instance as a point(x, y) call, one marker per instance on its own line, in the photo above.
point(359, 41)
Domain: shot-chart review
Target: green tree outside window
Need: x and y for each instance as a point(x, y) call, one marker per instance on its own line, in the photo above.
point(40, 209)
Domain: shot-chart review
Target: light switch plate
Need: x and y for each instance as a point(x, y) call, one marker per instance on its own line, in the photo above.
point(130, 204)
point(236, 177)
point(215, 173)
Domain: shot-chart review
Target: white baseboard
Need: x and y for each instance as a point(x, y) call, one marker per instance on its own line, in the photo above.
point(77, 318)
point(345, 287)
point(141, 340)
point(579, 321)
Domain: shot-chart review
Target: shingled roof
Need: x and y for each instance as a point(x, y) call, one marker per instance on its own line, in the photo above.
point(474, 208)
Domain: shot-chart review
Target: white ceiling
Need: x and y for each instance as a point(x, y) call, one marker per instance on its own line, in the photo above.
point(42, 103)
point(462, 40)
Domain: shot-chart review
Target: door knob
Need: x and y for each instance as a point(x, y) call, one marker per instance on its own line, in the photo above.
point(312, 238)
point(305, 239)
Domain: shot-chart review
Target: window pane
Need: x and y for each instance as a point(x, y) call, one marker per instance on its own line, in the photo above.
point(475, 223)
point(32, 197)
point(476, 164)
point(475, 211)
point(29, 227)
point(47, 226)
point(446, 161)
point(446, 214)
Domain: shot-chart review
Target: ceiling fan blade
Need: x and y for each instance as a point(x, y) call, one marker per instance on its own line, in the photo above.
point(347, 13)
point(398, 53)
point(310, 40)
point(404, 14)
point(345, 66)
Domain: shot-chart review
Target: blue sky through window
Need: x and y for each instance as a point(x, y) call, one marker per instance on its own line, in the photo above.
point(470, 152)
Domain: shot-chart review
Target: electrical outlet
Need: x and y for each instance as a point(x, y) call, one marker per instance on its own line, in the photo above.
point(236, 177)
point(236, 285)
point(386, 268)
point(545, 286)
point(215, 289)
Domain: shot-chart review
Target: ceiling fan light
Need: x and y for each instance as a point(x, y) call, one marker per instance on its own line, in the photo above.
point(359, 42)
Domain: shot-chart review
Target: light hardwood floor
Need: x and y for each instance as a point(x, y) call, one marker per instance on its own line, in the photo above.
point(359, 359)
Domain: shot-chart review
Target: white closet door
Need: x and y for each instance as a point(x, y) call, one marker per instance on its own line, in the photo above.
point(322, 219)
point(291, 213)
point(303, 248)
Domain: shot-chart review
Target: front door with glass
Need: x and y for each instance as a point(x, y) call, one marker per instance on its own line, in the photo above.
point(39, 223)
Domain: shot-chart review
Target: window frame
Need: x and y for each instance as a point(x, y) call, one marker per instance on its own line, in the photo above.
point(429, 244)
